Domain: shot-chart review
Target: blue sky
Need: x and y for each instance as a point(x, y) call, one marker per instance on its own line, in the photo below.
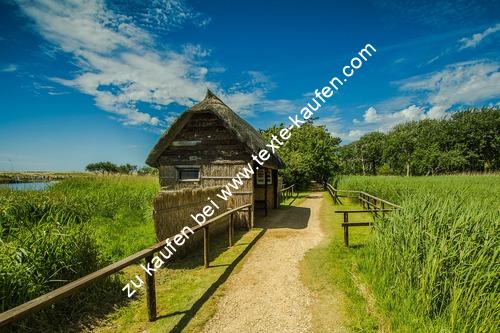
point(83, 81)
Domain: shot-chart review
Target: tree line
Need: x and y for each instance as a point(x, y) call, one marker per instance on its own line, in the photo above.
point(127, 169)
point(467, 141)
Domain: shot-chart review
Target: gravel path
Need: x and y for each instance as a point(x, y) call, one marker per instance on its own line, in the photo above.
point(266, 295)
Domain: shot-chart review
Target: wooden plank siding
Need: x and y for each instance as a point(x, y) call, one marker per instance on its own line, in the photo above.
point(214, 142)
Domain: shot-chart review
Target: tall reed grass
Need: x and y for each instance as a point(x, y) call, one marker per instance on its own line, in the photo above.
point(51, 237)
point(435, 264)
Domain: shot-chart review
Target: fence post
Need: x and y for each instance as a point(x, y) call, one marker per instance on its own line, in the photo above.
point(151, 291)
point(250, 216)
point(231, 230)
point(346, 229)
point(206, 249)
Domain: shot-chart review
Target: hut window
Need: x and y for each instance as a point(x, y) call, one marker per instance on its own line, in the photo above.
point(262, 174)
point(186, 174)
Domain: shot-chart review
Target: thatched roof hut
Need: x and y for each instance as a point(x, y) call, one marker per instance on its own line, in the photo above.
point(207, 146)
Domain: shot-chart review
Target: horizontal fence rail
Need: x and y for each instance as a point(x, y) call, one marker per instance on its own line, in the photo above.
point(45, 300)
point(370, 203)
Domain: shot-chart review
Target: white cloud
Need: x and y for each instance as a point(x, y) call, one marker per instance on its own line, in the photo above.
point(458, 84)
point(194, 51)
point(475, 39)
point(461, 84)
point(355, 134)
point(371, 116)
point(8, 68)
point(373, 120)
point(119, 63)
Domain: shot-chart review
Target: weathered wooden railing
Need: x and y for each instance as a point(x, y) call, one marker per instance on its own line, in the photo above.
point(287, 192)
point(147, 254)
point(373, 204)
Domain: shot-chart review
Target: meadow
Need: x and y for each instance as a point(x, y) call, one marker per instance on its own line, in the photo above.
point(434, 265)
point(78, 225)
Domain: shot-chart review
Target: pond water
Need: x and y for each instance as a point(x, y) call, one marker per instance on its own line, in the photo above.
point(34, 186)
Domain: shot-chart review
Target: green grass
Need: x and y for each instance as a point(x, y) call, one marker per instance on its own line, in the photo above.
point(434, 266)
point(295, 200)
point(120, 210)
point(186, 292)
point(329, 271)
point(81, 224)
point(52, 237)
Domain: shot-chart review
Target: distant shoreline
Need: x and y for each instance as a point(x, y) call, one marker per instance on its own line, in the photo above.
point(31, 177)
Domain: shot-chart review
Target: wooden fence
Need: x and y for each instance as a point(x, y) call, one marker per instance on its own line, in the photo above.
point(147, 254)
point(286, 192)
point(370, 203)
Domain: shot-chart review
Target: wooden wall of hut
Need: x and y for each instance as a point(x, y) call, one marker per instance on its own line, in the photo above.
point(213, 175)
point(172, 212)
point(204, 140)
point(206, 143)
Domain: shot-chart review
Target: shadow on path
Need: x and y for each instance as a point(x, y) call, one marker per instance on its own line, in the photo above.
point(291, 218)
point(189, 314)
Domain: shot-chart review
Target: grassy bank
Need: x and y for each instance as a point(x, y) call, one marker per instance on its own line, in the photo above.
point(434, 266)
point(342, 301)
point(30, 176)
point(186, 292)
point(52, 237)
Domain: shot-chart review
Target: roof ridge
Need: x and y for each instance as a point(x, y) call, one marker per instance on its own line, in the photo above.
point(211, 95)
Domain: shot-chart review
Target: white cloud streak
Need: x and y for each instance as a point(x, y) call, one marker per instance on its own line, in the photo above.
point(476, 39)
point(458, 84)
point(8, 68)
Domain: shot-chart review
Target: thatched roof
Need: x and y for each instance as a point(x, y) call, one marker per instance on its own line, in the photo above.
point(246, 134)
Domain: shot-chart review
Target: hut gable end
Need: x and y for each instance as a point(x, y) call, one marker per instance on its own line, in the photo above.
point(209, 132)
point(204, 139)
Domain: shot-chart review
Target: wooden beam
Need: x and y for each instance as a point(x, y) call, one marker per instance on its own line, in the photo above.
point(365, 210)
point(265, 192)
point(357, 224)
point(206, 246)
point(346, 228)
point(251, 216)
point(231, 230)
point(150, 291)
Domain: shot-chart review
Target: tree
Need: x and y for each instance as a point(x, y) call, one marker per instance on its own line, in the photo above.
point(147, 170)
point(127, 169)
point(350, 160)
point(102, 167)
point(370, 148)
point(108, 167)
point(311, 153)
